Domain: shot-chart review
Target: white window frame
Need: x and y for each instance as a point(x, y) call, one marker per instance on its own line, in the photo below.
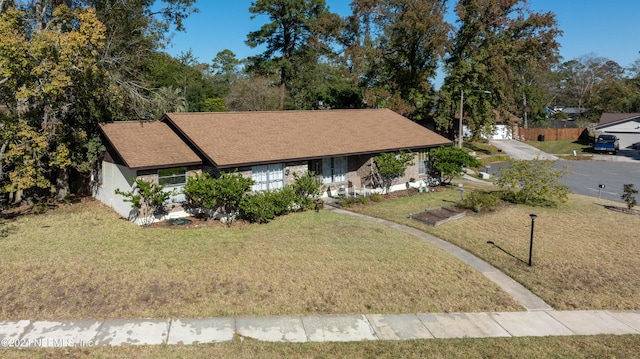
point(423, 162)
point(176, 187)
point(334, 170)
point(268, 177)
point(181, 177)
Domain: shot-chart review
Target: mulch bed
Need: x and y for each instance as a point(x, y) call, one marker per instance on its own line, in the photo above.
point(412, 192)
point(626, 210)
point(437, 216)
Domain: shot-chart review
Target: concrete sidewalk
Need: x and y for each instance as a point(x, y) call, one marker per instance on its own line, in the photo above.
point(316, 328)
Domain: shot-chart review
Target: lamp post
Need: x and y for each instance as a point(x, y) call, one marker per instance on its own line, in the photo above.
point(533, 221)
point(460, 129)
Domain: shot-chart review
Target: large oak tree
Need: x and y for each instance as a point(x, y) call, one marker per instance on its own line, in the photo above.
point(66, 65)
point(500, 46)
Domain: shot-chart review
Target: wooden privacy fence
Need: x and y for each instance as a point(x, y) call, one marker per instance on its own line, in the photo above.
point(551, 134)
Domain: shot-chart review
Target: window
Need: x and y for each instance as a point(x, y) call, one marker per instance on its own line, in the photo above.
point(172, 177)
point(423, 162)
point(268, 177)
point(334, 170)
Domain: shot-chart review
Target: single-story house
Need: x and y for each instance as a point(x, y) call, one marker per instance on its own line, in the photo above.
point(626, 126)
point(268, 147)
point(140, 149)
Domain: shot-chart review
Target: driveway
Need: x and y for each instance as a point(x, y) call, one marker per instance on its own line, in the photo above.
point(520, 150)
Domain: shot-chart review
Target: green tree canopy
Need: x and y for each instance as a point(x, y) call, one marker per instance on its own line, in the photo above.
point(391, 166)
point(501, 47)
point(394, 47)
point(65, 66)
point(451, 162)
point(297, 34)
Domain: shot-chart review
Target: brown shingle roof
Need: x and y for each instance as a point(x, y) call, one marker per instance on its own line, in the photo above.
point(148, 145)
point(233, 139)
point(611, 117)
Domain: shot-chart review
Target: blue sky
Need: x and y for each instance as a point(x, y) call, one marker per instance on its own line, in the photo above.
point(604, 28)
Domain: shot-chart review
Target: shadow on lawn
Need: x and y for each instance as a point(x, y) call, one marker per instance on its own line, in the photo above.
point(504, 250)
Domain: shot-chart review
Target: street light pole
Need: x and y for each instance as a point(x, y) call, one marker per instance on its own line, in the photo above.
point(460, 132)
point(533, 221)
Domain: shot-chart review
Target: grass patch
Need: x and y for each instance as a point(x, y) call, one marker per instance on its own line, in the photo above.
point(493, 159)
point(563, 147)
point(82, 261)
point(585, 256)
point(601, 346)
point(481, 148)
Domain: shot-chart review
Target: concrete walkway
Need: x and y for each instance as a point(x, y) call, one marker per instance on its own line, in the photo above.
point(315, 328)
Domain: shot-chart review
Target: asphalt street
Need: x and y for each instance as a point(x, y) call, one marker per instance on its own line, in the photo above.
point(584, 177)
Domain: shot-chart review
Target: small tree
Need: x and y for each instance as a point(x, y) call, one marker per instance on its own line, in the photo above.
point(391, 166)
point(147, 199)
point(629, 195)
point(533, 182)
point(201, 194)
point(306, 187)
point(229, 190)
point(451, 161)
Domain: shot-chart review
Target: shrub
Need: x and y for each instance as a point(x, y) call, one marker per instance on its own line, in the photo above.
point(346, 202)
point(376, 197)
point(306, 188)
point(208, 194)
point(534, 182)
point(363, 199)
point(478, 200)
point(257, 208)
point(230, 189)
point(629, 195)
point(147, 199)
point(283, 200)
point(201, 194)
point(261, 207)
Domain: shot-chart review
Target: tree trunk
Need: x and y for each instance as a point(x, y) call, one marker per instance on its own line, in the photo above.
point(62, 184)
point(2, 149)
point(282, 93)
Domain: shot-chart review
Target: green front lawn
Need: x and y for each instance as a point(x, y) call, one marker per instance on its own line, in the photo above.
point(564, 147)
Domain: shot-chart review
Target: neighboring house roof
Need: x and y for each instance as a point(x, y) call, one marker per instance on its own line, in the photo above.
point(234, 139)
point(574, 110)
point(144, 144)
point(610, 118)
point(513, 119)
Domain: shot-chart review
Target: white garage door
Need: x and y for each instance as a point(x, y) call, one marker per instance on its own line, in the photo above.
point(626, 139)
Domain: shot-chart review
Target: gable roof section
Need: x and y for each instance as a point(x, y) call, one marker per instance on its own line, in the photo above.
point(144, 145)
point(610, 118)
point(234, 139)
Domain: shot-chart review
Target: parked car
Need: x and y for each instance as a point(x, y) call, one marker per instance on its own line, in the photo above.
point(607, 143)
